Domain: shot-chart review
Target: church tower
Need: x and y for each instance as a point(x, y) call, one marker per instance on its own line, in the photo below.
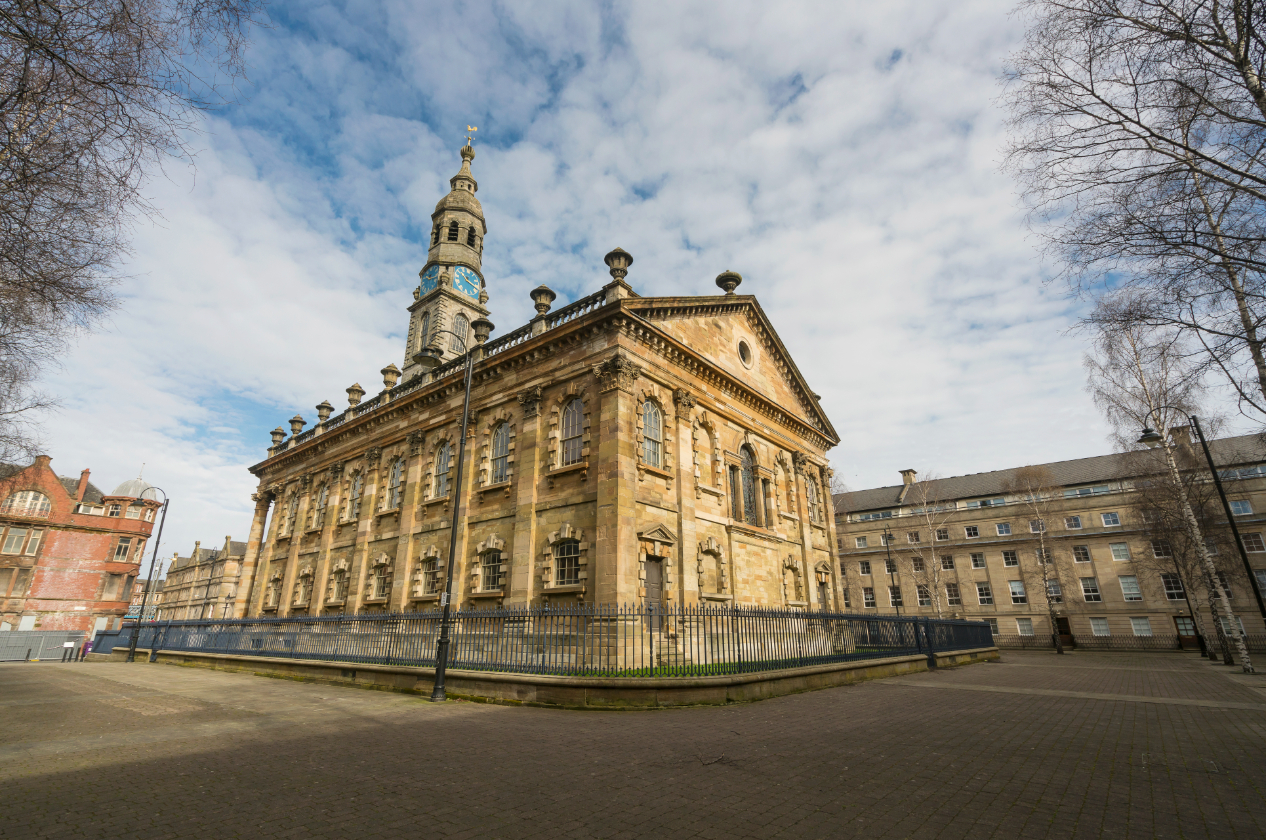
point(452, 292)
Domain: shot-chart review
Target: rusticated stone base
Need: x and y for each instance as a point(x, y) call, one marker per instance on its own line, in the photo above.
point(573, 692)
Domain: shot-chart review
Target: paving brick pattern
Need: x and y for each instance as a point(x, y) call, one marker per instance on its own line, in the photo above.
point(1002, 750)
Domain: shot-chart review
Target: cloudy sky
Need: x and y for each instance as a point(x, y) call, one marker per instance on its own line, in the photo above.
point(842, 156)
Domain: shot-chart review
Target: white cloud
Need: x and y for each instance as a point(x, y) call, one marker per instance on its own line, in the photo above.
point(842, 157)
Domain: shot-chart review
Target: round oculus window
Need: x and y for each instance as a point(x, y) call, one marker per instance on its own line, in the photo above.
point(745, 354)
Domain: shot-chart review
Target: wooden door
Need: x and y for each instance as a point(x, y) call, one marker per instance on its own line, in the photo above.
point(1065, 631)
point(654, 591)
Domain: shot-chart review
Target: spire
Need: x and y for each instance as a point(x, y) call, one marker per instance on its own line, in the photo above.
point(463, 175)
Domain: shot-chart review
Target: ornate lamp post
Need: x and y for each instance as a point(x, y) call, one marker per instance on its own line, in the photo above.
point(149, 581)
point(892, 571)
point(429, 359)
point(1152, 439)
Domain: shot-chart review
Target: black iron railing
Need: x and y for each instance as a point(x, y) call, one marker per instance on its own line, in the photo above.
point(583, 639)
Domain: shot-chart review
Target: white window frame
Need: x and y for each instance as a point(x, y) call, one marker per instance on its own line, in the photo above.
point(1004, 529)
point(1115, 521)
point(1072, 523)
point(1125, 548)
point(1138, 591)
point(1024, 626)
point(1241, 507)
point(1098, 624)
point(1137, 622)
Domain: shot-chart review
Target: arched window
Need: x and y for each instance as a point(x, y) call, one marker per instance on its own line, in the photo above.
point(750, 513)
point(303, 589)
point(338, 586)
point(318, 509)
point(425, 330)
point(452, 231)
point(470, 236)
point(430, 575)
point(494, 570)
point(567, 559)
point(352, 510)
point(380, 584)
point(458, 341)
point(395, 484)
point(573, 418)
point(29, 503)
point(443, 456)
point(500, 453)
point(652, 435)
point(811, 495)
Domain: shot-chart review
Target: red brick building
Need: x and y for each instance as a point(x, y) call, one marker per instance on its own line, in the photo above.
point(68, 552)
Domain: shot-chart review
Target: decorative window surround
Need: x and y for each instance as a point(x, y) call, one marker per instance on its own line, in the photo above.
point(710, 551)
point(660, 542)
point(546, 566)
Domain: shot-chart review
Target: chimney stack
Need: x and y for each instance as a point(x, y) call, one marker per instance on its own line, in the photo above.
point(909, 477)
point(83, 486)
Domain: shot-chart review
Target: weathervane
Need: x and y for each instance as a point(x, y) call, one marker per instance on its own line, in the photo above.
point(472, 129)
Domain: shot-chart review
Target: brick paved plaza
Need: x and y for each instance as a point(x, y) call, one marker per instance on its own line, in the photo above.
point(1087, 745)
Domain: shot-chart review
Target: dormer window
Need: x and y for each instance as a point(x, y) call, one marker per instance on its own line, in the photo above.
point(452, 231)
point(470, 236)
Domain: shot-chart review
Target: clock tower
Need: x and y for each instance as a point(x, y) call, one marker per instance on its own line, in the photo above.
point(452, 292)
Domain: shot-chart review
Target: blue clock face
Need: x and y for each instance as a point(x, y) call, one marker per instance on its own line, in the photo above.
point(466, 281)
point(430, 279)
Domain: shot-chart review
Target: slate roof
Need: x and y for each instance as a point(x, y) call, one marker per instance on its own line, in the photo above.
point(205, 555)
point(1227, 452)
point(92, 494)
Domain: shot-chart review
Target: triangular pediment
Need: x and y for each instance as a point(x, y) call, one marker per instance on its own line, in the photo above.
point(657, 534)
point(717, 327)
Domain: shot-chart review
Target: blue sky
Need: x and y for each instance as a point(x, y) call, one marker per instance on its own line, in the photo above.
point(842, 156)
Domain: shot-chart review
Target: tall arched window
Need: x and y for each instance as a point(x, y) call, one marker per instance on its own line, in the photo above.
point(470, 236)
point(424, 330)
point(494, 570)
point(652, 435)
point(500, 453)
point(318, 510)
point(750, 512)
point(811, 495)
point(395, 484)
point(353, 499)
point(452, 231)
point(573, 418)
point(458, 341)
point(443, 456)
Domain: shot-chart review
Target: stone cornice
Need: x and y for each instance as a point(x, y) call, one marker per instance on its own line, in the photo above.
point(617, 315)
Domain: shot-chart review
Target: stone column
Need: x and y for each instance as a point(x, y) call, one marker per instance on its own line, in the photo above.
point(687, 539)
point(529, 452)
point(615, 571)
point(250, 563)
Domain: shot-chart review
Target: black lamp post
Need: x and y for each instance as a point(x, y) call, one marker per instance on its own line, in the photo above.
point(149, 581)
point(892, 572)
point(1152, 438)
point(429, 359)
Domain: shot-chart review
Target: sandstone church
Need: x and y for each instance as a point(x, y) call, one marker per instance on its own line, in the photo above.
point(621, 450)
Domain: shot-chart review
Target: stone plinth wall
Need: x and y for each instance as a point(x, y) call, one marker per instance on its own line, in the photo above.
point(573, 692)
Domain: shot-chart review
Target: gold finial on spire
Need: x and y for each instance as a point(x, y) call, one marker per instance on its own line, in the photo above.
point(472, 129)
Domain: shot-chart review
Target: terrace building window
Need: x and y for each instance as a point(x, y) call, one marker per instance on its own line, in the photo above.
point(952, 595)
point(1141, 626)
point(1004, 529)
point(1120, 551)
point(1173, 586)
point(1160, 548)
point(1054, 592)
point(500, 453)
point(863, 567)
point(1241, 507)
point(894, 596)
point(1024, 626)
point(352, 509)
point(868, 597)
point(1010, 558)
point(1110, 520)
point(984, 594)
point(1018, 595)
point(912, 536)
point(1130, 588)
point(1090, 590)
point(890, 567)
point(1042, 555)
point(971, 531)
point(860, 542)
point(1036, 526)
point(916, 562)
point(925, 595)
point(1072, 523)
point(942, 534)
point(1099, 626)
point(977, 560)
point(1081, 554)
point(947, 562)
point(993, 625)
point(1253, 542)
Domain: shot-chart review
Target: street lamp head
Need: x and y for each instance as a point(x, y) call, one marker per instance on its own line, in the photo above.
point(428, 358)
point(1150, 437)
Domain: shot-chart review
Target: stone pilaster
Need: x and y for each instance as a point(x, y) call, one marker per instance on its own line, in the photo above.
point(528, 460)
point(616, 567)
point(285, 605)
point(250, 563)
point(329, 527)
point(687, 543)
point(408, 516)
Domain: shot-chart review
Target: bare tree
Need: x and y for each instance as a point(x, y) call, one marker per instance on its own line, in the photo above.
point(1139, 140)
point(1037, 490)
point(1140, 376)
point(93, 94)
point(922, 547)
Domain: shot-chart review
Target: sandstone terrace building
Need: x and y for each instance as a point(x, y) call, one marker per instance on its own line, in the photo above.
point(202, 585)
point(622, 449)
point(978, 543)
point(68, 552)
